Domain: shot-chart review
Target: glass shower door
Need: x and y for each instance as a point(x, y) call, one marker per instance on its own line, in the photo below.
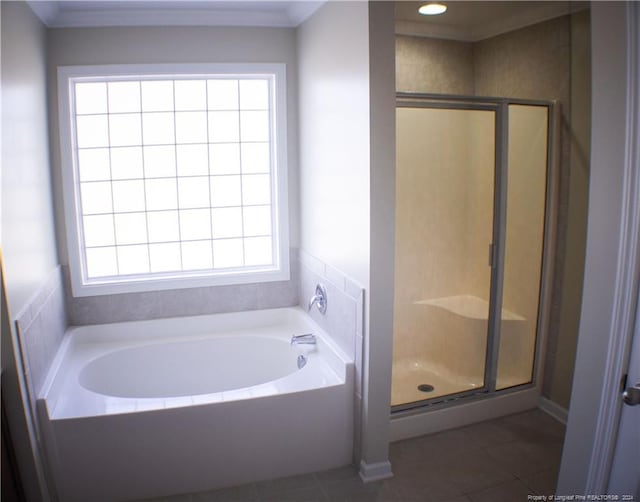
point(446, 164)
point(524, 241)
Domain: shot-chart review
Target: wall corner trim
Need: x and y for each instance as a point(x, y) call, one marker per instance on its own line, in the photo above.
point(553, 409)
point(375, 472)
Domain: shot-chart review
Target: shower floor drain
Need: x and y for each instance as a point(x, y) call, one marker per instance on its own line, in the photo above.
point(425, 387)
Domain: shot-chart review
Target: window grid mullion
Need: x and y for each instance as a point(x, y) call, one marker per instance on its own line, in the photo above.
point(244, 254)
point(151, 211)
point(173, 242)
point(175, 155)
point(209, 179)
point(171, 144)
point(222, 175)
point(144, 178)
point(151, 112)
point(113, 205)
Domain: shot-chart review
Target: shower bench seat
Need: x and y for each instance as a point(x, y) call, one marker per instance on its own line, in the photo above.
point(468, 306)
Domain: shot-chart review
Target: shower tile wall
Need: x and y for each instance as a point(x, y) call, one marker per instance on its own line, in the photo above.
point(183, 302)
point(560, 355)
point(531, 63)
point(443, 228)
point(536, 63)
point(432, 65)
point(442, 67)
point(41, 326)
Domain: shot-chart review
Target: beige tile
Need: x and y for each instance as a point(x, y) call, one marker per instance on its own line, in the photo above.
point(273, 488)
point(542, 483)
point(489, 433)
point(354, 490)
point(418, 481)
point(244, 493)
point(534, 425)
point(206, 496)
point(523, 459)
point(305, 494)
point(476, 472)
point(435, 449)
point(175, 498)
point(512, 491)
point(339, 474)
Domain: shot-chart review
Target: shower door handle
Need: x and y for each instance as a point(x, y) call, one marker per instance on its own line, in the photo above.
point(492, 249)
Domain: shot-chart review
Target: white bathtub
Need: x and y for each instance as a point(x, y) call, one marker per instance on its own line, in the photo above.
point(155, 408)
point(198, 366)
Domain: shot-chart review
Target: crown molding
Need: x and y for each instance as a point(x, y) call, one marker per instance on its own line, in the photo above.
point(46, 11)
point(289, 14)
point(299, 12)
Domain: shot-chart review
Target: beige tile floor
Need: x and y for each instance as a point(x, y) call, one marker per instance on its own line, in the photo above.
point(501, 460)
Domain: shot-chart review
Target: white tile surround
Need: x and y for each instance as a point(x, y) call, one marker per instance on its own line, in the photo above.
point(41, 326)
point(343, 319)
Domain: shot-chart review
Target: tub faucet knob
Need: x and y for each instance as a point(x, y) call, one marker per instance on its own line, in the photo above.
point(319, 299)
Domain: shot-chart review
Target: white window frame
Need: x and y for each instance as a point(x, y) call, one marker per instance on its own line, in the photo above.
point(84, 286)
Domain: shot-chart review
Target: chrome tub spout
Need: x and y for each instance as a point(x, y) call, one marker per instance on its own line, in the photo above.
point(305, 339)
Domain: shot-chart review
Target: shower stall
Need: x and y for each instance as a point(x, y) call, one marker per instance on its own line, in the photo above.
point(473, 230)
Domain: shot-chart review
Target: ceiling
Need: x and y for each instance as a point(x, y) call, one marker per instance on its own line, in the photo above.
point(93, 13)
point(471, 21)
point(464, 20)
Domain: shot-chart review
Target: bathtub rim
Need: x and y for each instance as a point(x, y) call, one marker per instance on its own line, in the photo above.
point(333, 357)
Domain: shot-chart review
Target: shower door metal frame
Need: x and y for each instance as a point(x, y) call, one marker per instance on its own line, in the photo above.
point(498, 247)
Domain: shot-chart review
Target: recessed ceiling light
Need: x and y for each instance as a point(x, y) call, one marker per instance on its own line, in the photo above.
point(432, 9)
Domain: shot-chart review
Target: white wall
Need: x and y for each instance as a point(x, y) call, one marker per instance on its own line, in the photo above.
point(347, 180)
point(28, 235)
point(379, 321)
point(595, 399)
point(333, 66)
point(87, 46)
point(27, 223)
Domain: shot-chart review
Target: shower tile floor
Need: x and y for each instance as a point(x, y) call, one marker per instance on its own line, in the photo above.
point(502, 460)
point(409, 374)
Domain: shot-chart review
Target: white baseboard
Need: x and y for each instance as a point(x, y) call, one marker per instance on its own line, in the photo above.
point(375, 472)
point(553, 409)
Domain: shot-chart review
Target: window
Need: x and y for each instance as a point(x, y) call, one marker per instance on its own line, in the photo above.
point(174, 176)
